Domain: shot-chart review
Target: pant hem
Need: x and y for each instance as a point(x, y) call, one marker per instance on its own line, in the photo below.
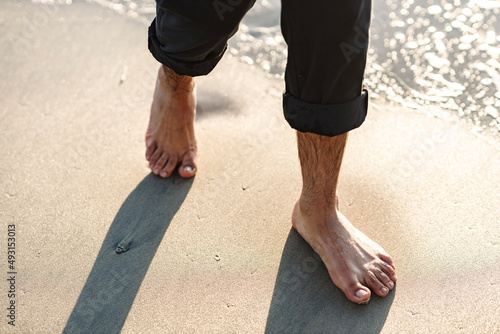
point(192, 69)
point(325, 119)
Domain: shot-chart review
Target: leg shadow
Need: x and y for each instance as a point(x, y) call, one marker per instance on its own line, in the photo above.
point(125, 255)
point(306, 301)
point(211, 102)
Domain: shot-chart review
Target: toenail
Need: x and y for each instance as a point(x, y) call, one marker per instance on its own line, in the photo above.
point(384, 290)
point(163, 174)
point(156, 171)
point(391, 285)
point(188, 169)
point(394, 278)
point(361, 293)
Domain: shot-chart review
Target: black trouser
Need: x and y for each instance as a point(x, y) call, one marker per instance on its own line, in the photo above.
point(327, 46)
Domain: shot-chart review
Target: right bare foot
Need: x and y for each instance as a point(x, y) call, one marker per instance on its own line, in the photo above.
point(355, 263)
point(170, 139)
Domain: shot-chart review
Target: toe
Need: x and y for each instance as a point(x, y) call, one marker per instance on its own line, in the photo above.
point(150, 150)
point(154, 158)
point(387, 259)
point(169, 167)
point(388, 270)
point(359, 294)
point(188, 166)
point(376, 285)
point(160, 164)
point(382, 277)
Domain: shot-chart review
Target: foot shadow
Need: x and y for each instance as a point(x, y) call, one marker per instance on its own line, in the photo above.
point(125, 255)
point(211, 102)
point(306, 301)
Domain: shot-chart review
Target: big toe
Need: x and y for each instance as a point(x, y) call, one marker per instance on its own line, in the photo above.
point(355, 291)
point(359, 294)
point(187, 168)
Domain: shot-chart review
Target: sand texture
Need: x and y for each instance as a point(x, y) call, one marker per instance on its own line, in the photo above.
point(103, 246)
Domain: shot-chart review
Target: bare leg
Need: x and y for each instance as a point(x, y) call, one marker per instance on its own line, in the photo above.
point(355, 262)
point(170, 139)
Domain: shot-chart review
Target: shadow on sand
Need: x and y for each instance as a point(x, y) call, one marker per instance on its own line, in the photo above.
point(306, 301)
point(212, 102)
point(125, 255)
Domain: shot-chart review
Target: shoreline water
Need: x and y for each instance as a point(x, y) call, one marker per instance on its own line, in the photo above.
point(425, 55)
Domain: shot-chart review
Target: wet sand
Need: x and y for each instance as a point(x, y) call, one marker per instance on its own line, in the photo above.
point(103, 246)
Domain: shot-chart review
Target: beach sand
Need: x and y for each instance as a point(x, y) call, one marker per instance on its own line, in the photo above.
point(103, 246)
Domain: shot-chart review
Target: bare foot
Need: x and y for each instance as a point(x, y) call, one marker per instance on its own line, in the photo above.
point(170, 139)
point(355, 262)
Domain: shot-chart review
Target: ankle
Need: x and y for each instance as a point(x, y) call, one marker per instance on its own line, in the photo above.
point(317, 205)
point(175, 82)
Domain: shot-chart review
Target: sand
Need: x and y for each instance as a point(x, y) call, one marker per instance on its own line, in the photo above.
point(103, 246)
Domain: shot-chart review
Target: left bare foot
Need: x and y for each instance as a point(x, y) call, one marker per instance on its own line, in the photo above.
point(170, 139)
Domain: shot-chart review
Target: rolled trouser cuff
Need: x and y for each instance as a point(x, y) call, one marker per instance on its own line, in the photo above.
point(191, 68)
point(325, 119)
